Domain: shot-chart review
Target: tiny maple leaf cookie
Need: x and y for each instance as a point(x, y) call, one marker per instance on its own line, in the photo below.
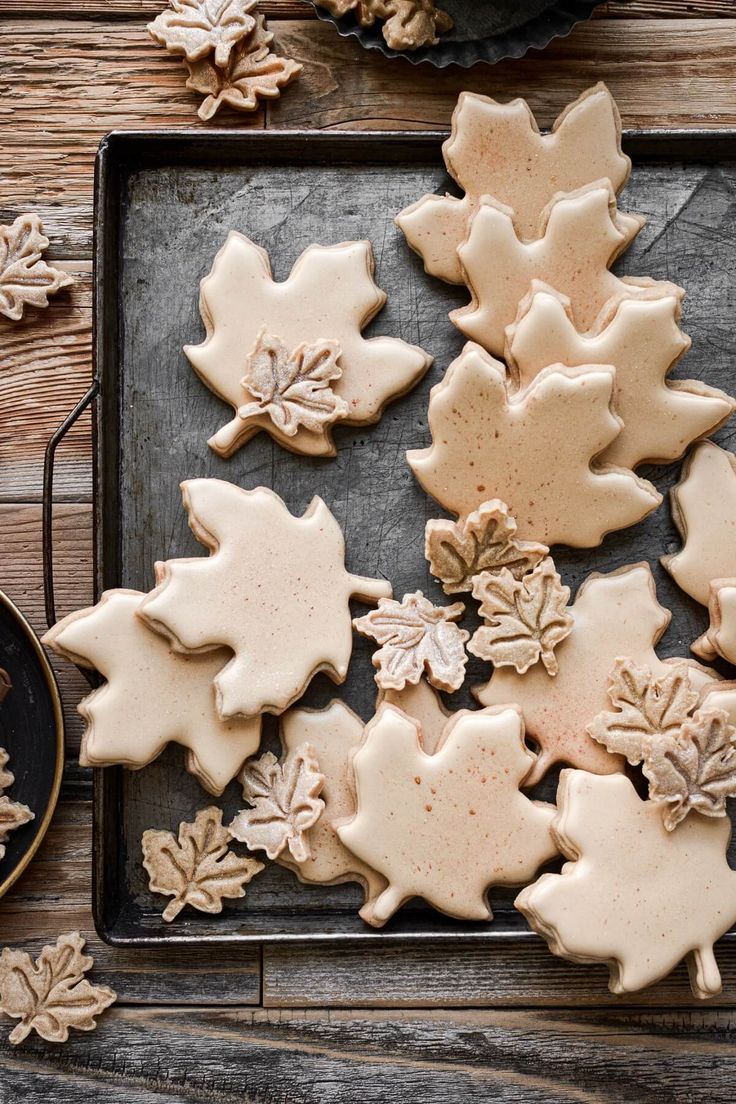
point(197, 868)
point(51, 996)
point(497, 150)
point(12, 813)
point(274, 590)
point(447, 826)
point(525, 618)
point(195, 28)
point(25, 278)
point(416, 638)
point(613, 615)
point(332, 734)
point(330, 295)
point(720, 637)
point(284, 803)
point(536, 450)
point(409, 23)
point(704, 511)
point(620, 898)
point(482, 541)
point(583, 236)
point(252, 73)
point(642, 340)
point(153, 695)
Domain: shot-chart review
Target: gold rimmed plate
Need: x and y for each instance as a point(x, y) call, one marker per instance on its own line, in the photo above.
point(32, 732)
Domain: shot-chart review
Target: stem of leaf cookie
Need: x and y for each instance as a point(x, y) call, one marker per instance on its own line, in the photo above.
point(705, 977)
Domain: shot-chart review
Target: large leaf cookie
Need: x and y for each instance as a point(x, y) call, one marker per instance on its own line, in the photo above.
point(613, 615)
point(274, 590)
point(329, 296)
point(447, 826)
point(704, 510)
point(643, 341)
point(583, 235)
point(153, 694)
point(497, 150)
point(535, 450)
point(633, 895)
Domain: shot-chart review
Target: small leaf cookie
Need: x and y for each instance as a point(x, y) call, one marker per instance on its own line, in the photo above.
point(720, 637)
point(536, 450)
point(496, 149)
point(153, 694)
point(447, 826)
point(13, 814)
point(274, 590)
point(416, 638)
point(409, 24)
point(484, 540)
point(643, 341)
point(284, 803)
point(633, 895)
point(25, 278)
point(613, 615)
point(704, 511)
point(583, 235)
point(525, 618)
point(329, 296)
point(195, 28)
point(52, 995)
point(197, 868)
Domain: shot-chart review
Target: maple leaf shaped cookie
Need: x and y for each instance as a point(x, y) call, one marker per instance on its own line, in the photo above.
point(332, 734)
point(252, 73)
point(13, 814)
point(284, 803)
point(620, 898)
point(447, 826)
point(497, 150)
point(613, 615)
point(482, 541)
point(51, 996)
point(195, 28)
point(525, 618)
point(409, 24)
point(153, 694)
point(25, 278)
point(423, 704)
point(330, 295)
point(274, 590)
point(197, 868)
point(536, 450)
point(416, 638)
point(583, 236)
point(720, 636)
point(704, 511)
point(643, 341)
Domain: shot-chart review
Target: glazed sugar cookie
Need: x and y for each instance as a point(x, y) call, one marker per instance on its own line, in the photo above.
point(643, 341)
point(497, 150)
point(536, 450)
point(329, 297)
point(423, 704)
point(704, 511)
point(583, 235)
point(613, 615)
point(152, 696)
point(447, 826)
point(333, 734)
point(274, 590)
point(621, 899)
point(720, 637)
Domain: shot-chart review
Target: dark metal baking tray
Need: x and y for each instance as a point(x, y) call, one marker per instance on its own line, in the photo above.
point(164, 204)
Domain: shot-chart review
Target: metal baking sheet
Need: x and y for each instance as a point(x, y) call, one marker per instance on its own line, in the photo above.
point(165, 203)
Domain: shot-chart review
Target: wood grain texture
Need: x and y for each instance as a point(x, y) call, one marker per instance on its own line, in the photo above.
point(512, 1057)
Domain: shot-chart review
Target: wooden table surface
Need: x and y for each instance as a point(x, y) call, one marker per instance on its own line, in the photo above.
point(300, 1024)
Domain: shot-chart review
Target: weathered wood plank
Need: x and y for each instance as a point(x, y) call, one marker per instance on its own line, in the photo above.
point(144, 1056)
point(54, 896)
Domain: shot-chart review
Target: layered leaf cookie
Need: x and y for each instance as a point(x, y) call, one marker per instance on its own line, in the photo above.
point(535, 450)
point(25, 278)
point(620, 899)
point(583, 235)
point(448, 826)
point(496, 149)
point(13, 814)
point(153, 694)
point(196, 28)
point(409, 24)
point(274, 590)
point(327, 300)
point(642, 339)
point(704, 511)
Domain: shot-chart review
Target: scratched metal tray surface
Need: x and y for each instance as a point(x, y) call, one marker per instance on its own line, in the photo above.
point(165, 203)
